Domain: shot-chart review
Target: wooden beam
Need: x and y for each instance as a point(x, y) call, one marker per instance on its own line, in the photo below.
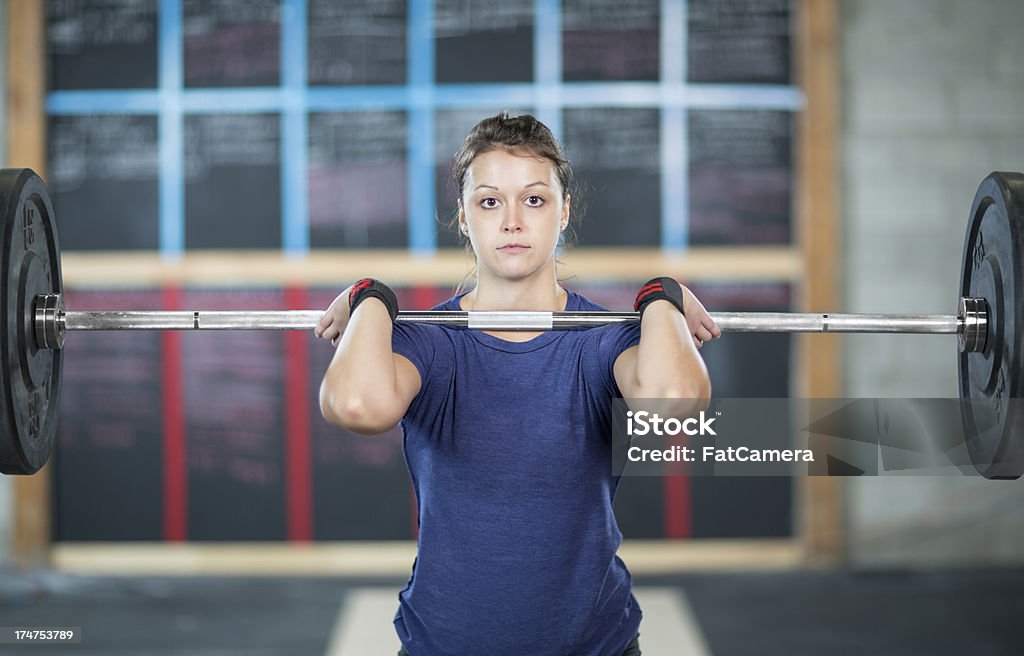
point(391, 558)
point(818, 227)
point(26, 147)
point(401, 268)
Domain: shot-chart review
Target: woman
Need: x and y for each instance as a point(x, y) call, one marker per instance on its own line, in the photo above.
point(507, 435)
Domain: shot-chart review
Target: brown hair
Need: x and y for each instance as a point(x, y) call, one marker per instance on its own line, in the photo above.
point(519, 132)
point(522, 132)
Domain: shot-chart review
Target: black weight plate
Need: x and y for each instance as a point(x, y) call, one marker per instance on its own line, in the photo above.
point(991, 381)
point(30, 387)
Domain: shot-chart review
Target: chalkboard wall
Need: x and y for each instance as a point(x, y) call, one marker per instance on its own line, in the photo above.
point(104, 176)
point(102, 44)
point(308, 124)
point(358, 174)
point(358, 42)
point(228, 394)
point(232, 181)
point(207, 105)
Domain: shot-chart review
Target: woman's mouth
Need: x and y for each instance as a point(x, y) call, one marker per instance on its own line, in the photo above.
point(514, 248)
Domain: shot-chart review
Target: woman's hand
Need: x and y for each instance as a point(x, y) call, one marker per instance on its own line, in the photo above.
point(332, 323)
point(698, 321)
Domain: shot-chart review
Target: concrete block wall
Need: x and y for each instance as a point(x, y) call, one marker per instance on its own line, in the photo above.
point(5, 484)
point(932, 100)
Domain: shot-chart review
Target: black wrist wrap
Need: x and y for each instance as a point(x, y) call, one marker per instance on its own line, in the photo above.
point(368, 287)
point(658, 289)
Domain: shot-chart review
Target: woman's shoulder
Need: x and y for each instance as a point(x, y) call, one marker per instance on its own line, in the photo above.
point(616, 336)
point(430, 332)
point(579, 303)
point(450, 305)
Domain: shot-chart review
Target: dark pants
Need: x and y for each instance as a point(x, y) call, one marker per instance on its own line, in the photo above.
point(632, 649)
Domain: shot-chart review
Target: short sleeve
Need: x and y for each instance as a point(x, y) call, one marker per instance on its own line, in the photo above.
point(416, 343)
point(615, 339)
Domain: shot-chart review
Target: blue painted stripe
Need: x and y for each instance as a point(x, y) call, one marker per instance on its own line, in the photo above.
point(467, 96)
point(420, 140)
point(70, 103)
point(171, 131)
point(325, 99)
point(234, 101)
point(672, 42)
point(547, 63)
point(675, 165)
point(744, 96)
point(675, 180)
point(449, 96)
point(294, 178)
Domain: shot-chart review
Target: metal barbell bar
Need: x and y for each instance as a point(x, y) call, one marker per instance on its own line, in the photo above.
point(51, 321)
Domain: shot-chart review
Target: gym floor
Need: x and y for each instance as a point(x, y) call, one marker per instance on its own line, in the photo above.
point(836, 612)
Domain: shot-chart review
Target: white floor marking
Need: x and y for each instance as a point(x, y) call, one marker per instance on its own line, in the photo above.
point(364, 626)
point(669, 628)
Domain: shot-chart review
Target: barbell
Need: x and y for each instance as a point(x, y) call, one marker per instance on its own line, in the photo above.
point(987, 323)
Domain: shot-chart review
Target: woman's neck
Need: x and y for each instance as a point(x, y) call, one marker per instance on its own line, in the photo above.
point(516, 295)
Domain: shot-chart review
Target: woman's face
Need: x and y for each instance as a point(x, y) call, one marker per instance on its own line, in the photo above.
point(512, 211)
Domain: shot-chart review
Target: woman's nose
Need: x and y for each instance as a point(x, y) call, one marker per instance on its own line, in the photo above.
point(511, 222)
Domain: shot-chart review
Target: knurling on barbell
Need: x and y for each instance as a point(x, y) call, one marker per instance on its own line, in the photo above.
point(987, 324)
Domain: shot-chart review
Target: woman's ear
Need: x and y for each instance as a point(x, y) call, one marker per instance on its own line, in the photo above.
point(463, 228)
point(565, 211)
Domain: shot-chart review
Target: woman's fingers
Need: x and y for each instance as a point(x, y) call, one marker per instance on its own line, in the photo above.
point(703, 334)
point(330, 332)
point(712, 327)
point(322, 325)
point(334, 319)
point(702, 326)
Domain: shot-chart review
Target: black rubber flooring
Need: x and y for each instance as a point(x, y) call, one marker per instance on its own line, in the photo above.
point(838, 612)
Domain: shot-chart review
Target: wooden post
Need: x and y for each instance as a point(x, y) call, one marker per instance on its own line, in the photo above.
point(26, 147)
point(818, 226)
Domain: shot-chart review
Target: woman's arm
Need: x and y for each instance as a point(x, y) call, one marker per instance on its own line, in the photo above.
point(666, 364)
point(367, 387)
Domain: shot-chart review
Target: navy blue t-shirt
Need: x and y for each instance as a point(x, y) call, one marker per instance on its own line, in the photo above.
point(509, 447)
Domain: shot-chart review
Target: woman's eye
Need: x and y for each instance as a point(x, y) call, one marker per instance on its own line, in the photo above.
point(534, 201)
point(489, 202)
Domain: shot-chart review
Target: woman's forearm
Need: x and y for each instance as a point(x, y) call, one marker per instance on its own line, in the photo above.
point(667, 364)
point(360, 389)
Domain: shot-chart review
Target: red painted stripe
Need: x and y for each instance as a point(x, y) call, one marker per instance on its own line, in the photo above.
point(423, 298)
point(175, 501)
point(298, 463)
point(677, 502)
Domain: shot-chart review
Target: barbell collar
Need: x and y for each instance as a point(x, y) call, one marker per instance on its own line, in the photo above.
point(973, 314)
point(49, 323)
